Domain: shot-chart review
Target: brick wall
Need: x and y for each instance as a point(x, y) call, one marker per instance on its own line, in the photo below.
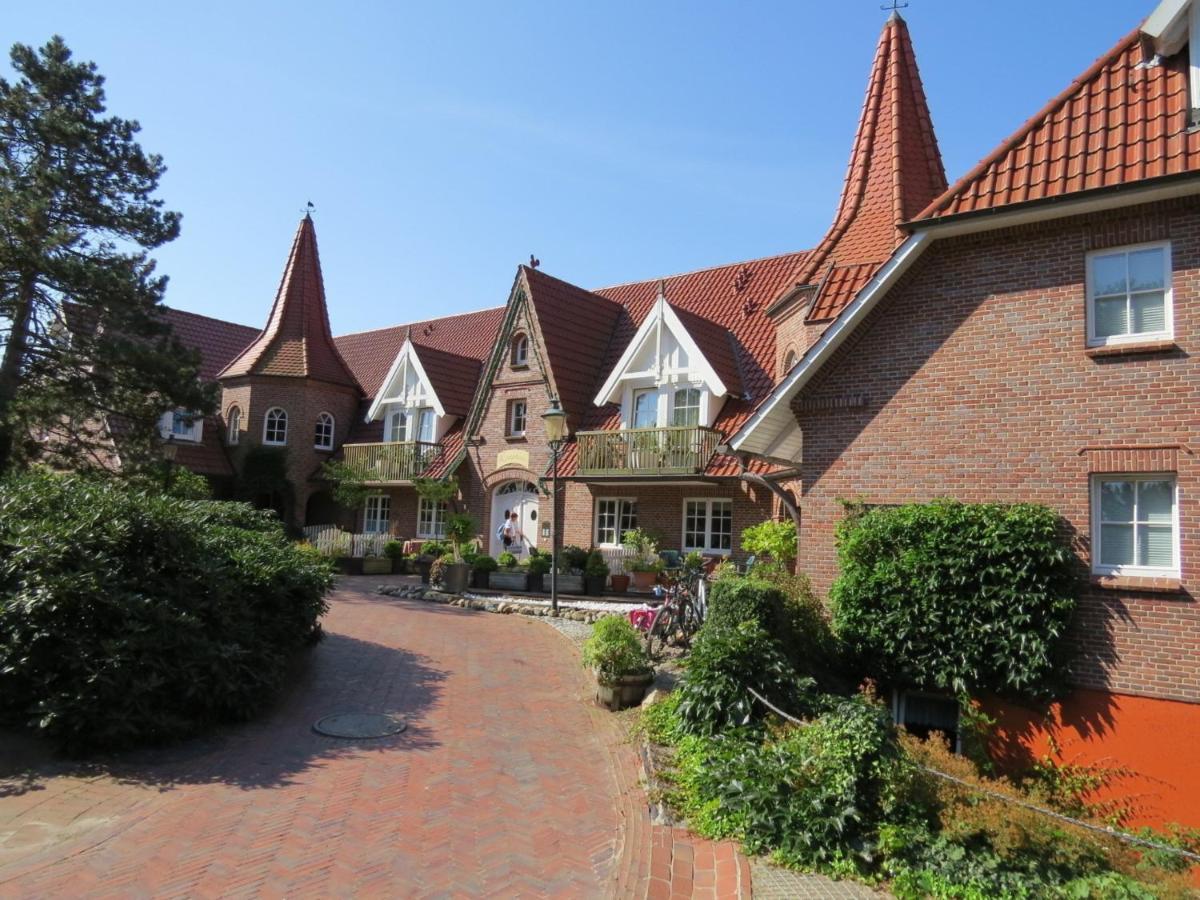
point(972, 380)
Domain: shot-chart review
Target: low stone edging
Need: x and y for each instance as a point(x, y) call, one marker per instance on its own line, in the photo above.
point(498, 605)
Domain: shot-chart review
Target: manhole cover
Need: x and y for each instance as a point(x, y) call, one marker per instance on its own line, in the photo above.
point(360, 725)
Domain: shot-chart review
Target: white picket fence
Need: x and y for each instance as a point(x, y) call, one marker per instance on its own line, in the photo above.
point(333, 541)
point(617, 559)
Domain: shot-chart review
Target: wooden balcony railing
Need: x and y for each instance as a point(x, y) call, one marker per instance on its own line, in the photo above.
point(391, 463)
point(647, 451)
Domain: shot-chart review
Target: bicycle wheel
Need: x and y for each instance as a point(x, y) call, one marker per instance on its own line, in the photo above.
point(665, 622)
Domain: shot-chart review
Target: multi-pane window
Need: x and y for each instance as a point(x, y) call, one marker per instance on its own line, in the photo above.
point(431, 519)
point(708, 525)
point(323, 436)
point(520, 350)
point(1135, 525)
point(410, 425)
point(397, 426)
point(275, 427)
point(377, 514)
point(183, 426)
point(645, 409)
point(614, 517)
point(516, 418)
point(1129, 294)
point(686, 410)
point(234, 429)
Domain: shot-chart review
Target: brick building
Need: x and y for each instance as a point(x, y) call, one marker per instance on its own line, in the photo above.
point(1033, 338)
point(654, 376)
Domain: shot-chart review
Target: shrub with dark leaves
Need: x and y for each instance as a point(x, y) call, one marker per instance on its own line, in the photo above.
point(129, 617)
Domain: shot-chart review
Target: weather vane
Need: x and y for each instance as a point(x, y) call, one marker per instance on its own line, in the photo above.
point(896, 5)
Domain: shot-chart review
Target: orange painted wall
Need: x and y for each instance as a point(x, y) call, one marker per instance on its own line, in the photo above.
point(1158, 741)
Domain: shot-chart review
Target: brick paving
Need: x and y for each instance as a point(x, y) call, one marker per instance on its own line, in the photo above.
point(506, 783)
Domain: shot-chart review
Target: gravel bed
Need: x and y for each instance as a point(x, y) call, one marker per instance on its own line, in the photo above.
point(592, 605)
point(577, 632)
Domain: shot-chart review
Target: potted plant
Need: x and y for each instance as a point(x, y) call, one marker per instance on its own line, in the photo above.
point(394, 550)
point(538, 566)
point(571, 561)
point(438, 571)
point(595, 573)
point(620, 582)
point(645, 564)
point(481, 569)
point(616, 653)
point(460, 528)
point(508, 576)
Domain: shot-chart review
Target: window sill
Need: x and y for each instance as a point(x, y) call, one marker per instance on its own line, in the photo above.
point(1141, 583)
point(1132, 348)
point(516, 438)
point(520, 367)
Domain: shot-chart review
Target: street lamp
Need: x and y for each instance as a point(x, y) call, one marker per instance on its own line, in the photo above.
point(556, 435)
point(169, 449)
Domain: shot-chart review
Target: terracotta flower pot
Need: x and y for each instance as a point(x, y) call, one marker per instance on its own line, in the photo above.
point(620, 583)
point(644, 581)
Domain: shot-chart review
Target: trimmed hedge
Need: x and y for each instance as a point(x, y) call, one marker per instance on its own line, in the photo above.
point(955, 596)
point(129, 617)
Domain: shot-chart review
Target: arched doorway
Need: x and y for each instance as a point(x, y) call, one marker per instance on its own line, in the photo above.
point(523, 497)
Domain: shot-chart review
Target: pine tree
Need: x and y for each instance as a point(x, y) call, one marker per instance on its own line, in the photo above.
point(87, 355)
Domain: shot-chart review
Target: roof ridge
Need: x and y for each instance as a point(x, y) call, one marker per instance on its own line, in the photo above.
point(737, 262)
point(1023, 131)
point(473, 312)
point(188, 312)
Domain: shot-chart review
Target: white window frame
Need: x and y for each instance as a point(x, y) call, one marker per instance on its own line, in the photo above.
point(699, 407)
point(520, 350)
point(382, 514)
point(193, 432)
point(318, 443)
point(431, 518)
point(1099, 568)
point(511, 427)
point(234, 428)
point(1168, 331)
point(708, 523)
point(267, 424)
point(623, 505)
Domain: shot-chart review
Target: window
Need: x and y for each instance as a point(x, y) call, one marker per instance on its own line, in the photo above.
point(234, 429)
point(520, 350)
point(687, 407)
point(410, 425)
point(708, 525)
point(1135, 525)
point(645, 409)
point(614, 517)
point(323, 437)
point(377, 514)
point(275, 427)
point(516, 418)
point(789, 361)
point(182, 426)
point(925, 714)
point(397, 426)
point(1129, 294)
point(431, 519)
point(425, 425)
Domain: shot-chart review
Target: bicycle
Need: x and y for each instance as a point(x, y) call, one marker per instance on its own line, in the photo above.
point(681, 614)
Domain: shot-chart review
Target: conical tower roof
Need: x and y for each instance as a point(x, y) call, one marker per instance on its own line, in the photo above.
point(895, 171)
point(297, 342)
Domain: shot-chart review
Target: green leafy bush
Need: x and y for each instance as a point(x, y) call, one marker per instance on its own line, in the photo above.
point(484, 564)
point(506, 560)
point(129, 617)
point(539, 565)
point(776, 540)
point(614, 650)
point(393, 550)
point(724, 661)
point(572, 559)
point(435, 549)
point(960, 597)
point(596, 567)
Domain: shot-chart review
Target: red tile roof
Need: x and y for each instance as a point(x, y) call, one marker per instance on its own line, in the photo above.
point(454, 378)
point(218, 342)
point(370, 354)
point(1116, 124)
point(895, 170)
point(297, 341)
point(209, 456)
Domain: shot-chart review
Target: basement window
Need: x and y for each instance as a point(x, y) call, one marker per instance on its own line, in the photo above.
point(923, 714)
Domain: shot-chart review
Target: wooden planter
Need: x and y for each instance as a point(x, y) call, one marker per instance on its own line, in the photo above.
point(376, 565)
point(624, 692)
point(424, 564)
point(479, 579)
point(594, 584)
point(570, 584)
point(349, 565)
point(455, 579)
point(509, 581)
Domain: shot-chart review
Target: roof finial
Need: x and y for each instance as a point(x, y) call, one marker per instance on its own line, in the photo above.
point(662, 288)
point(895, 8)
point(534, 262)
point(308, 213)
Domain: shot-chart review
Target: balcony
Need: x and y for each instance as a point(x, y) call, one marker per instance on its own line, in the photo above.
point(647, 451)
point(397, 462)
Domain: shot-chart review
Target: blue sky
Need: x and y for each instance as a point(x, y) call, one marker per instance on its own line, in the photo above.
point(442, 143)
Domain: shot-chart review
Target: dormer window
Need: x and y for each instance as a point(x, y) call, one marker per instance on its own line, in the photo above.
point(182, 426)
point(410, 425)
point(323, 434)
point(275, 428)
point(1173, 25)
point(520, 351)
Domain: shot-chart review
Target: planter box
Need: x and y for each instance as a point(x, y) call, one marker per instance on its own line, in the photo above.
point(509, 581)
point(536, 582)
point(594, 584)
point(349, 565)
point(480, 579)
point(570, 584)
point(376, 565)
point(625, 692)
point(455, 579)
point(399, 566)
point(423, 567)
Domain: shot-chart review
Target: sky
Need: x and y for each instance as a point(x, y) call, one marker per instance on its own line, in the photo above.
point(443, 143)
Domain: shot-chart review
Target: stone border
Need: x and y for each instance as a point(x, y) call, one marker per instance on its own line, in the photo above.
point(505, 607)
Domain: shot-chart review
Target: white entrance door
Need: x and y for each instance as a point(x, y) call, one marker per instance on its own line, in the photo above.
point(523, 497)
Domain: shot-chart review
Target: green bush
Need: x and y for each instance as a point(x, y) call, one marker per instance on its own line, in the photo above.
point(776, 540)
point(538, 564)
point(393, 550)
point(506, 560)
point(615, 649)
point(435, 549)
point(129, 617)
point(596, 566)
point(946, 595)
point(724, 662)
point(484, 564)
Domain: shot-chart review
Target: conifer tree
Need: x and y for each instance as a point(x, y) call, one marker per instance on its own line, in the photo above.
point(86, 353)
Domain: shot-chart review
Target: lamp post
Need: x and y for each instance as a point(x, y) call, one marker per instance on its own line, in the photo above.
point(169, 449)
point(556, 435)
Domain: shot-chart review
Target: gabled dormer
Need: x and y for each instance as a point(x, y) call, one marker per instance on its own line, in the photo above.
point(407, 402)
point(676, 371)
